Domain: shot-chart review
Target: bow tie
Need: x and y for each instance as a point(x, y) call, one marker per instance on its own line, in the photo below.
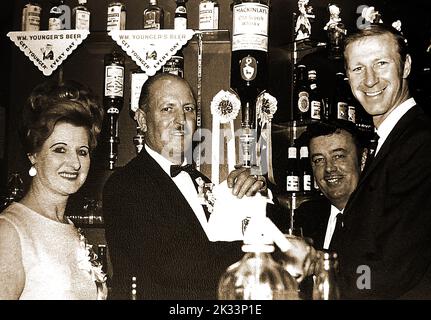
point(176, 169)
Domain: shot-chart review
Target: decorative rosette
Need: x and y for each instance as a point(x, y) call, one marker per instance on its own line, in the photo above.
point(88, 261)
point(266, 106)
point(225, 106)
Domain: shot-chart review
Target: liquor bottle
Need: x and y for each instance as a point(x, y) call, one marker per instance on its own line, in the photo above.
point(292, 179)
point(113, 100)
point(306, 172)
point(216, 14)
point(325, 283)
point(116, 18)
point(54, 22)
point(139, 140)
point(301, 95)
point(351, 102)
point(175, 65)
point(31, 16)
point(180, 19)
point(81, 16)
point(338, 104)
point(249, 65)
point(137, 80)
point(257, 276)
point(206, 15)
point(153, 16)
point(316, 103)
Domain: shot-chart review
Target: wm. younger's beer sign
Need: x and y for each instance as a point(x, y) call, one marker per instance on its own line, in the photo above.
point(48, 49)
point(151, 49)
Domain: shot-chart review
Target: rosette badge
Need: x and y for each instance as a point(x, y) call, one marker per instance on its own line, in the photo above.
point(225, 106)
point(266, 106)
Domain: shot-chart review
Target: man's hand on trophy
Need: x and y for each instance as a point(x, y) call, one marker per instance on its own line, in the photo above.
point(244, 182)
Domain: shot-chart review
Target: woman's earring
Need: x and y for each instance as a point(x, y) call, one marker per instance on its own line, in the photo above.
point(32, 172)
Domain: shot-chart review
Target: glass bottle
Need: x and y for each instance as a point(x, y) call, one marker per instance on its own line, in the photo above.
point(325, 282)
point(139, 140)
point(292, 179)
point(31, 16)
point(351, 105)
point(153, 16)
point(113, 100)
point(206, 15)
point(257, 276)
point(216, 14)
point(301, 95)
point(54, 22)
point(180, 19)
point(116, 18)
point(81, 16)
point(338, 104)
point(306, 171)
point(315, 99)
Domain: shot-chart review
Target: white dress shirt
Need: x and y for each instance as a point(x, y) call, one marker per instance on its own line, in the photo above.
point(185, 184)
point(391, 120)
point(331, 226)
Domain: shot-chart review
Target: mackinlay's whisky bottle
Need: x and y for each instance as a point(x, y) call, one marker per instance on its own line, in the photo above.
point(249, 54)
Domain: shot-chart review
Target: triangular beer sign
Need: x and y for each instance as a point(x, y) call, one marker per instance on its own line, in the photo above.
point(151, 49)
point(48, 49)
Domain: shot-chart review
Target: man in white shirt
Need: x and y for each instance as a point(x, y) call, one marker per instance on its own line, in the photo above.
point(335, 154)
point(156, 226)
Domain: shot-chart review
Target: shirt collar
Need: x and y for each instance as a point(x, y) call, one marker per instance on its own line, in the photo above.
point(161, 160)
point(392, 119)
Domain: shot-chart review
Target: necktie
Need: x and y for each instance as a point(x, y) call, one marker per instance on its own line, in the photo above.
point(194, 174)
point(339, 225)
point(176, 169)
point(372, 147)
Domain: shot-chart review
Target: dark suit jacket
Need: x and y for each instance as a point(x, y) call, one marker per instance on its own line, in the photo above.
point(312, 216)
point(388, 218)
point(153, 234)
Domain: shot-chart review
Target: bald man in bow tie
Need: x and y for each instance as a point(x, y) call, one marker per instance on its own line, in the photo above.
point(156, 226)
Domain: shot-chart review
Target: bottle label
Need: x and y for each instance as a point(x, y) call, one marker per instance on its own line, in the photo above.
point(291, 153)
point(303, 102)
point(116, 18)
point(250, 27)
point(216, 17)
point(306, 182)
point(175, 66)
point(54, 24)
point(206, 15)
point(31, 18)
point(114, 81)
point(352, 114)
point(292, 184)
point(82, 21)
point(316, 108)
point(248, 68)
point(180, 23)
point(342, 110)
point(137, 81)
point(313, 86)
point(152, 20)
point(303, 152)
